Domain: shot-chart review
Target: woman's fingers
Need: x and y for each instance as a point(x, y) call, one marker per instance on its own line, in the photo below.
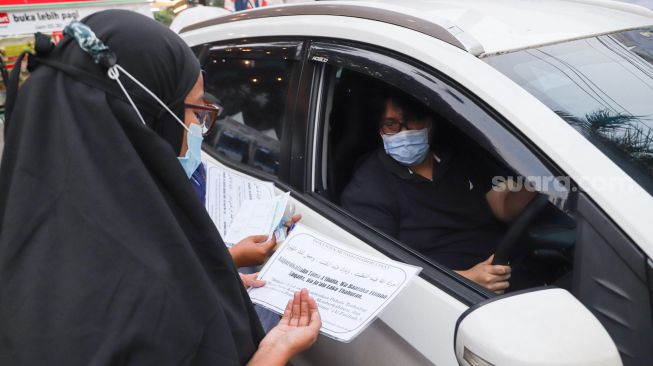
point(302, 311)
point(304, 316)
point(257, 283)
point(296, 310)
point(257, 238)
point(316, 320)
point(287, 314)
point(293, 220)
point(250, 280)
point(269, 244)
point(312, 304)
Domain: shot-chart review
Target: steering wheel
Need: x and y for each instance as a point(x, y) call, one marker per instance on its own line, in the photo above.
point(518, 228)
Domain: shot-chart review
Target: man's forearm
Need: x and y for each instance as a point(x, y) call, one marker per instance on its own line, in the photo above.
point(515, 202)
point(506, 202)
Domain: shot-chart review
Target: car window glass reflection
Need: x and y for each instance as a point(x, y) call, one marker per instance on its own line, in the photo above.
point(253, 95)
point(602, 87)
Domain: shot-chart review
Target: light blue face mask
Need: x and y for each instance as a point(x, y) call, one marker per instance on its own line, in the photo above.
point(408, 147)
point(193, 157)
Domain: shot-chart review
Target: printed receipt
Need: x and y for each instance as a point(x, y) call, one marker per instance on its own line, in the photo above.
point(350, 287)
point(226, 191)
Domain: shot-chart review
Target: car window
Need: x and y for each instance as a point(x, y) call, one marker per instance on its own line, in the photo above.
point(602, 86)
point(253, 93)
point(448, 217)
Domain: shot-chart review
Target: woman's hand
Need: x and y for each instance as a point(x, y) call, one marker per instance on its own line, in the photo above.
point(492, 277)
point(297, 330)
point(252, 251)
point(250, 280)
point(293, 220)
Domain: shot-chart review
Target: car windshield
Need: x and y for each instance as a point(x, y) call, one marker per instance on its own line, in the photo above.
point(602, 86)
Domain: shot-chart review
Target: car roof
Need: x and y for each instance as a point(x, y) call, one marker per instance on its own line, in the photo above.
point(194, 15)
point(481, 27)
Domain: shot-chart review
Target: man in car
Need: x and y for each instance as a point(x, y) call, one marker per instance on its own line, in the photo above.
point(436, 198)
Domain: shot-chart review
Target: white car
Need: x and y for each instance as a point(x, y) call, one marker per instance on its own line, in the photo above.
point(557, 91)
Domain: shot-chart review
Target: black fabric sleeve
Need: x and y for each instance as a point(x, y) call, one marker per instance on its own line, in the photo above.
point(369, 197)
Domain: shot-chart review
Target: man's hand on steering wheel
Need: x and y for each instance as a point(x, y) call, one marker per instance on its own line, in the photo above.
point(493, 277)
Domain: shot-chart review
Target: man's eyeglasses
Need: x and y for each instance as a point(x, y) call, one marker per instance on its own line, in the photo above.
point(207, 114)
point(392, 126)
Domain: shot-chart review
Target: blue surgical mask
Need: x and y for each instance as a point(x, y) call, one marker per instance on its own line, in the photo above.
point(408, 147)
point(193, 157)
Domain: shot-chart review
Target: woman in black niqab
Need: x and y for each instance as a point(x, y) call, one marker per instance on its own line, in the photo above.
point(106, 255)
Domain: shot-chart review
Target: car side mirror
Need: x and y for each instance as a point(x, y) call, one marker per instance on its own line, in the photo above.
point(544, 326)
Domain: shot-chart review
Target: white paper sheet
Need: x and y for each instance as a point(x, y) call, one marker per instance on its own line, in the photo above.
point(226, 191)
point(350, 287)
point(257, 217)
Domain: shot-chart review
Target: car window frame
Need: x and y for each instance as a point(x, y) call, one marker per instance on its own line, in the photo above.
point(240, 48)
point(329, 49)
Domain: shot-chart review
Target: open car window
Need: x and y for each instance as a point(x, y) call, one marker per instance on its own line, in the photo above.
point(386, 198)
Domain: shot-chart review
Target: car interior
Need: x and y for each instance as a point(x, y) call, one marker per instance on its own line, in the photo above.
point(539, 245)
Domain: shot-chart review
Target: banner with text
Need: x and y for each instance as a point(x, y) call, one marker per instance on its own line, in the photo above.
point(19, 22)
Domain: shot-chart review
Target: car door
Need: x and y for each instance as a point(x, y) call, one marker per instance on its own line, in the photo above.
point(426, 329)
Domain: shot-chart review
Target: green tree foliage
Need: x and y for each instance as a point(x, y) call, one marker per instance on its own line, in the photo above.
point(164, 16)
point(620, 132)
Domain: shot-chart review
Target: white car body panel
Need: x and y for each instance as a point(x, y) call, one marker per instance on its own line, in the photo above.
point(630, 206)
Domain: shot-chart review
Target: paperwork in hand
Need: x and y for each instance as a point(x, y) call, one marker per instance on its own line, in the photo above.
point(257, 217)
point(350, 287)
point(226, 191)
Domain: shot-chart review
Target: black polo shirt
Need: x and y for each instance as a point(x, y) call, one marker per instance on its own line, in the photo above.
point(448, 219)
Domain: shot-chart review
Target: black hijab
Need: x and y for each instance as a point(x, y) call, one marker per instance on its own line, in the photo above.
point(106, 255)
